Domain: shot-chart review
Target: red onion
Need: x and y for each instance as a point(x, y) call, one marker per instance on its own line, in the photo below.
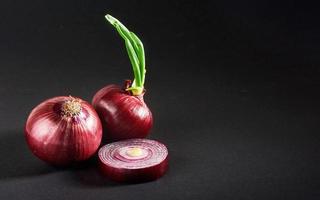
point(62, 130)
point(123, 111)
point(134, 160)
point(125, 116)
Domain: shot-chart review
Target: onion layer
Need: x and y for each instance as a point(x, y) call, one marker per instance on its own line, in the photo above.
point(123, 115)
point(62, 130)
point(134, 160)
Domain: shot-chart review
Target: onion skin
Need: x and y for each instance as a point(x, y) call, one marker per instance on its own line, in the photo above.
point(118, 171)
point(124, 116)
point(61, 140)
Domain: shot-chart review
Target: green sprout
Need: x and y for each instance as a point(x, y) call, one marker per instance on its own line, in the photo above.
point(135, 51)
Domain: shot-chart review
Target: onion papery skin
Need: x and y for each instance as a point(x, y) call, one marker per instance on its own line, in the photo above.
point(123, 116)
point(152, 165)
point(61, 140)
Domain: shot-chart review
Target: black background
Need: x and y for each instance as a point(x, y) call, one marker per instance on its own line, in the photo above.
point(233, 86)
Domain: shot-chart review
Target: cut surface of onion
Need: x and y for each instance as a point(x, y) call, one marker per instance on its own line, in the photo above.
point(134, 160)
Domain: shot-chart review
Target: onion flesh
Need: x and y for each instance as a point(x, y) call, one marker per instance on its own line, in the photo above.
point(134, 160)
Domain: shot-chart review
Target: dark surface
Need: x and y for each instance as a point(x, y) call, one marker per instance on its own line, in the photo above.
point(233, 86)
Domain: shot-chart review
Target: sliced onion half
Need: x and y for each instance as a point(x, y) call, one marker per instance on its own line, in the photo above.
point(134, 160)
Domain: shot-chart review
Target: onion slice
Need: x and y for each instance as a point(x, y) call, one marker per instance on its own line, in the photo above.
point(134, 160)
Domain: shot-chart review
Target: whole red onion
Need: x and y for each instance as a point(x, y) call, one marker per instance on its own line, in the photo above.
point(125, 116)
point(62, 130)
point(134, 160)
point(123, 111)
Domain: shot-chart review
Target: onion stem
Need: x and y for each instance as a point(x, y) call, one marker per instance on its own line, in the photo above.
point(136, 55)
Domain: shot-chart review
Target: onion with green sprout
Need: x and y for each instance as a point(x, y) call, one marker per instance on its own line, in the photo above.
point(122, 110)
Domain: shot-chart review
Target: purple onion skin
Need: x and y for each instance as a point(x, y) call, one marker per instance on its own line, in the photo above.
point(63, 141)
point(135, 175)
point(123, 115)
